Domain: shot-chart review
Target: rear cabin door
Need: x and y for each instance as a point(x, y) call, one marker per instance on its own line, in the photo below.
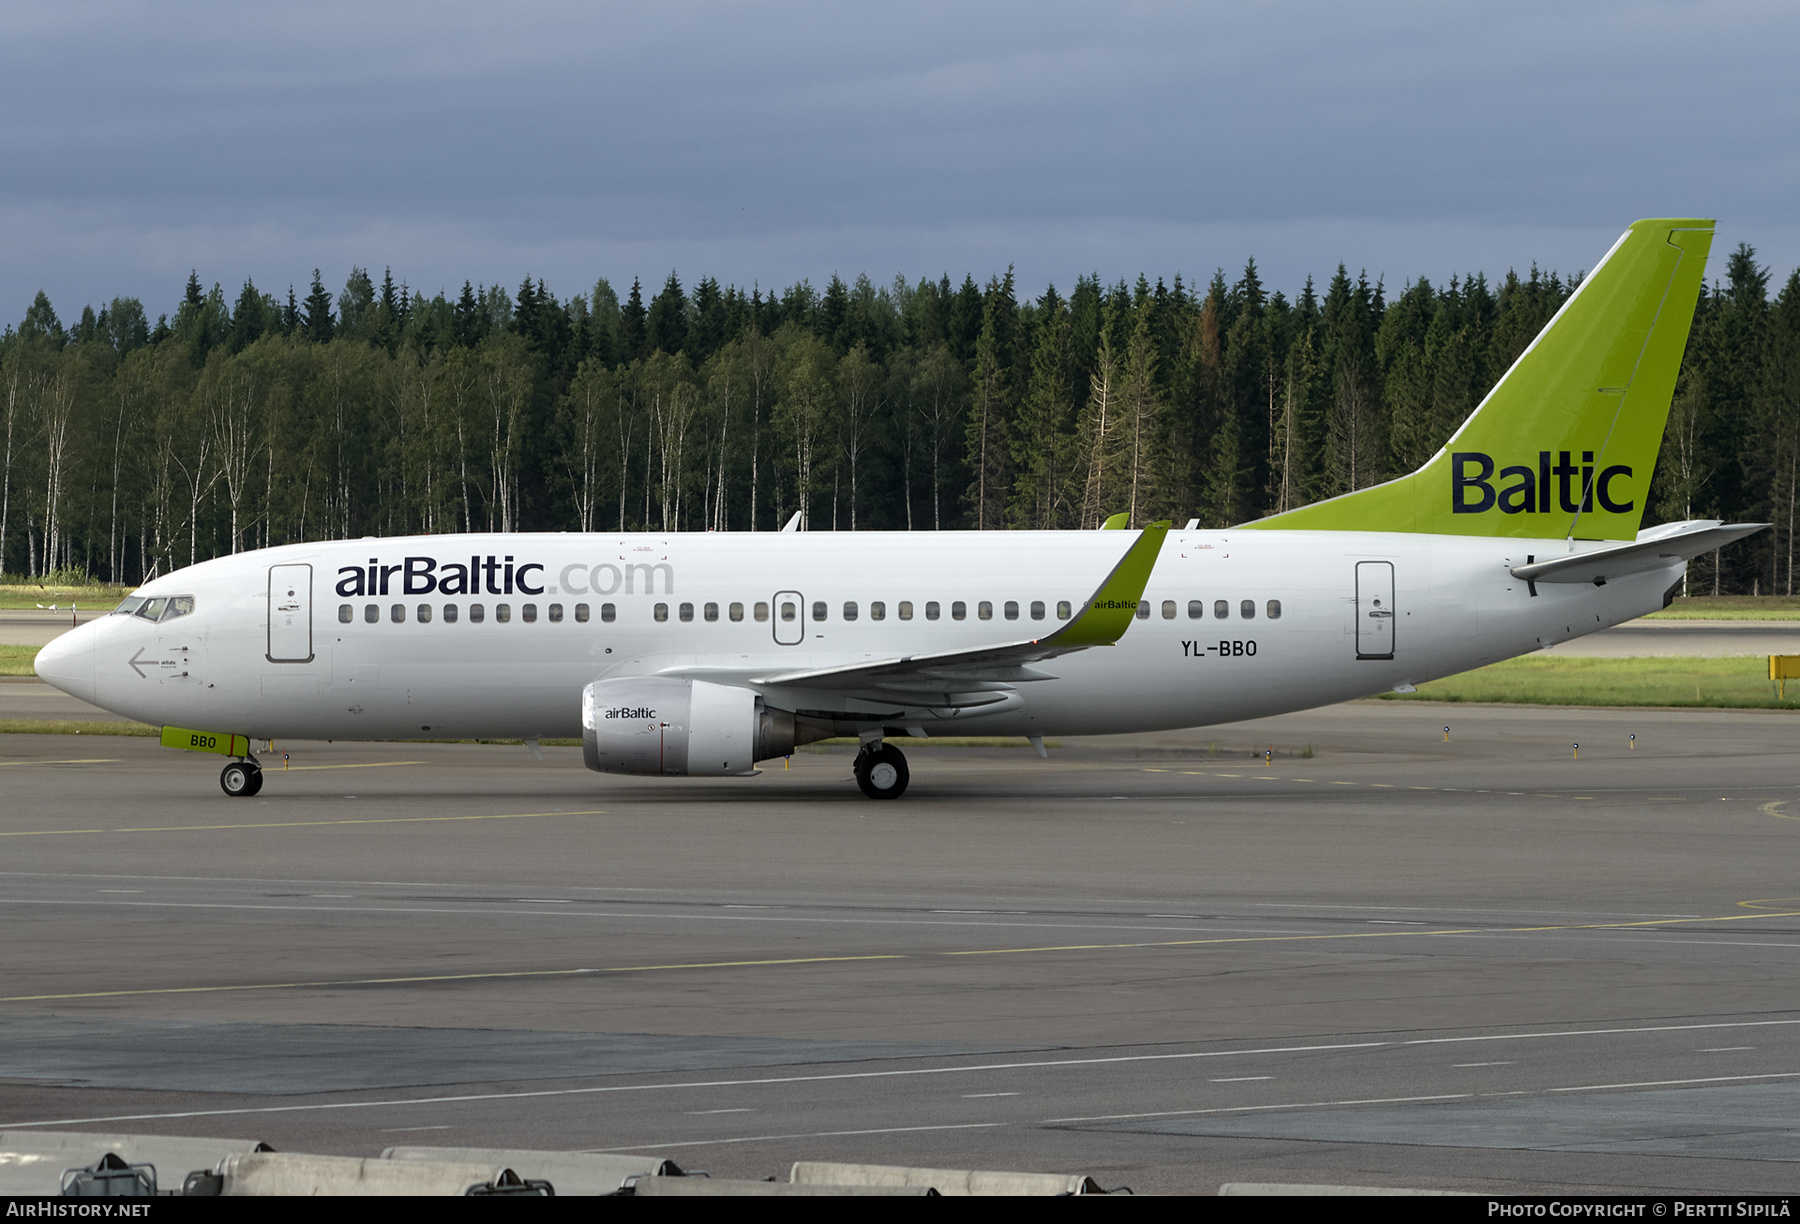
point(290, 614)
point(1374, 609)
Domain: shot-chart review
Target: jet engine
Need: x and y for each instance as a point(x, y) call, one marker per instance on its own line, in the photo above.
point(662, 726)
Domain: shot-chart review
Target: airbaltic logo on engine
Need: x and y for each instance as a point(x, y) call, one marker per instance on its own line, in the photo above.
point(493, 575)
point(1526, 490)
point(640, 712)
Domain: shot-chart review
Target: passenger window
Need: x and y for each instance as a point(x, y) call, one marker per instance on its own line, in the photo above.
point(372, 614)
point(906, 609)
point(1064, 610)
point(528, 613)
point(1168, 609)
point(984, 610)
point(424, 613)
point(762, 612)
point(555, 614)
point(959, 610)
point(502, 613)
point(608, 613)
point(819, 610)
point(1221, 608)
point(850, 609)
point(1143, 609)
point(449, 614)
point(1011, 610)
point(477, 614)
point(1037, 609)
point(931, 610)
point(877, 610)
point(1274, 609)
point(687, 613)
point(581, 614)
point(711, 612)
point(1196, 609)
point(1247, 609)
point(788, 610)
point(346, 614)
point(736, 612)
point(660, 612)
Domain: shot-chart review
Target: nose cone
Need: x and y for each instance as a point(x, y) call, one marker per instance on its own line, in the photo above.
point(68, 663)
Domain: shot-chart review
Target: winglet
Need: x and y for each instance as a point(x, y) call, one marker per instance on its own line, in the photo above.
point(1108, 612)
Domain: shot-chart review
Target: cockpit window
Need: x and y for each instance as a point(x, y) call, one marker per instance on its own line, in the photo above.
point(128, 605)
point(162, 607)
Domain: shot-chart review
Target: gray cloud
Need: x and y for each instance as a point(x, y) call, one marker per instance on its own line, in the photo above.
point(775, 142)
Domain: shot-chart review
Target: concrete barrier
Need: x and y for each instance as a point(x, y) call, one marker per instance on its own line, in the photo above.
point(715, 1187)
point(570, 1172)
point(944, 1181)
point(289, 1174)
point(1283, 1189)
point(32, 1162)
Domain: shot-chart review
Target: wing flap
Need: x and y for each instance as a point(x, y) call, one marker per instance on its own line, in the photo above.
point(1102, 621)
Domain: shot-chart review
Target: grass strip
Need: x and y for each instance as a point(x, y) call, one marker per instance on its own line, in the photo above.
point(29, 595)
point(1731, 607)
point(16, 660)
point(1731, 683)
point(73, 726)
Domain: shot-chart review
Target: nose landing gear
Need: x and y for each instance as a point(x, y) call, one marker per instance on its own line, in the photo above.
point(881, 771)
point(241, 779)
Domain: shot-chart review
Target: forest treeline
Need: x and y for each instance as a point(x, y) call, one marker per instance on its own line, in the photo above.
point(129, 448)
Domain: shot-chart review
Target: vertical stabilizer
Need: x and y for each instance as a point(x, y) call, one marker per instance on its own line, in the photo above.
point(1565, 444)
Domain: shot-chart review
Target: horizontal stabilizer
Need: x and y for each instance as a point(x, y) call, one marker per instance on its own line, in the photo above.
point(1656, 548)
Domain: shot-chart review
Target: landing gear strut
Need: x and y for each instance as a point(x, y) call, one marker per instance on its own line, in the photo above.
point(881, 771)
point(241, 779)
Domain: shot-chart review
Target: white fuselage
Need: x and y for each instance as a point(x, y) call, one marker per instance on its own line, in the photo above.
point(366, 664)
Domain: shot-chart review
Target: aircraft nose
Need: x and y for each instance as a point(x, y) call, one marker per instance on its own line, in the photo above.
point(68, 663)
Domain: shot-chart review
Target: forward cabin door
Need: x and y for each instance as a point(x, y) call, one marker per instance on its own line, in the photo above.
point(790, 618)
point(290, 614)
point(1374, 609)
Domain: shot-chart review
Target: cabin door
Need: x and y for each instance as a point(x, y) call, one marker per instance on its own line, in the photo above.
point(789, 618)
point(290, 614)
point(1374, 609)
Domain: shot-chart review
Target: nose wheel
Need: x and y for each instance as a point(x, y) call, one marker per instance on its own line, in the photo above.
point(881, 771)
point(241, 779)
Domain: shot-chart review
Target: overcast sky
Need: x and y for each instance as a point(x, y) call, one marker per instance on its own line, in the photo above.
point(763, 143)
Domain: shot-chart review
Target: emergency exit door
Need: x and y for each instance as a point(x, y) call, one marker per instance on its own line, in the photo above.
point(1375, 609)
point(790, 618)
point(290, 614)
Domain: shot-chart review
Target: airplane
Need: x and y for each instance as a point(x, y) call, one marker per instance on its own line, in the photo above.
point(703, 654)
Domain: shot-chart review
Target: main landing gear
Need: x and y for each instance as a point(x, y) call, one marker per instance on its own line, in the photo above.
point(881, 771)
point(241, 779)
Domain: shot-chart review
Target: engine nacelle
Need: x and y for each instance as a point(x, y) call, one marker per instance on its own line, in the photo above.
point(662, 726)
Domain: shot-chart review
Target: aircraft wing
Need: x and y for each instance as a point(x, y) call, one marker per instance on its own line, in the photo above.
point(1653, 549)
point(978, 675)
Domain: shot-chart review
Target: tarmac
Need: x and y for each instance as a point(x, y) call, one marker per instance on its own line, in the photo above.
point(1371, 957)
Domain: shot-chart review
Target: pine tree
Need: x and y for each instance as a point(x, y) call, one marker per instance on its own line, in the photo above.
point(632, 323)
point(319, 322)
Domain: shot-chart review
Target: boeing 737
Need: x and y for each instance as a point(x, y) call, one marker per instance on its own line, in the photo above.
point(702, 654)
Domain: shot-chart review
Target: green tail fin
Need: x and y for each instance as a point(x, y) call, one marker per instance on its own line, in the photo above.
point(1565, 444)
